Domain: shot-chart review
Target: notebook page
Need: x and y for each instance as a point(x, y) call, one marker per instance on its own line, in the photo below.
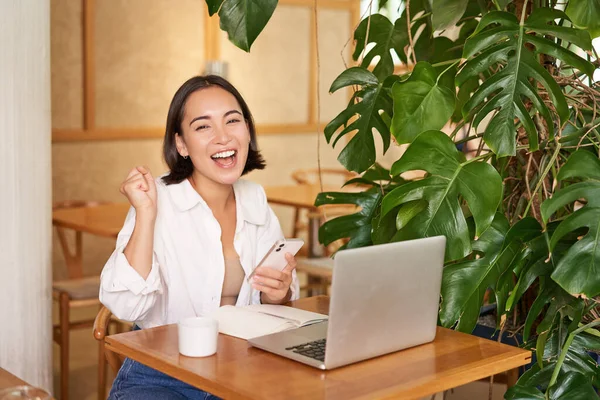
point(246, 324)
point(298, 316)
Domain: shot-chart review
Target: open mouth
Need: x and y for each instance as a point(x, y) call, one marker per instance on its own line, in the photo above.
point(225, 158)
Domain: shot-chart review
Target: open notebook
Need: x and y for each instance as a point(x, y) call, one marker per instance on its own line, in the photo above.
point(262, 319)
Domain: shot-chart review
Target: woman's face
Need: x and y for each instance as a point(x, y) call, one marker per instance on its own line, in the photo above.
point(215, 135)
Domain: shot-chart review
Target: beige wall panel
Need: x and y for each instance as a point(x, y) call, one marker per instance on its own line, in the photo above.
point(274, 77)
point(334, 32)
point(94, 170)
point(286, 153)
point(66, 64)
point(145, 49)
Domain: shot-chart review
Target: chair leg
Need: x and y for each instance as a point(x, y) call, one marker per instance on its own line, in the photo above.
point(296, 222)
point(101, 371)
point(64, 345)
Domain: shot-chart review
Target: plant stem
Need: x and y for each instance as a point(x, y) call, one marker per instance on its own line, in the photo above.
point(440, 64)
point(425, 15)
point(543, 175)
point(523, 12)
point(446, 70)
point(497, 5)
point(480, 157)
point(410, 38)
point(527, 183)
point(565, 349)
point(478, 135)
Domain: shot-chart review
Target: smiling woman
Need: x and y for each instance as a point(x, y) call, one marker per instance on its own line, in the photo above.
point(194, 117)
point(192, 235)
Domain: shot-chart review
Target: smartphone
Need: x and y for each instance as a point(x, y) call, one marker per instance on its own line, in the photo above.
point(275, 257)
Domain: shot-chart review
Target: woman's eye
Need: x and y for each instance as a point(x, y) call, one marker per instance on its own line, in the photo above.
point(232, 121)
point(200, 127)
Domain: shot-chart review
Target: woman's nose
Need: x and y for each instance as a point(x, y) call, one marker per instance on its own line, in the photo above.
point(222, 136)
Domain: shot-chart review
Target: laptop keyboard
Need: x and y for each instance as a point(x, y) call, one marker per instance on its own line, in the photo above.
point(314, 349)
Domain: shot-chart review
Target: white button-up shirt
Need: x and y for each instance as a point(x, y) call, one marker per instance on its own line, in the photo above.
point(188, 268)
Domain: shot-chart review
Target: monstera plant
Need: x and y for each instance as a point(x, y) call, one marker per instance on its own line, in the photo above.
point(514, 183)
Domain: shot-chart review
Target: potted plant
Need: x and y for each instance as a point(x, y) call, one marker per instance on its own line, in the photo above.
point(515, 187)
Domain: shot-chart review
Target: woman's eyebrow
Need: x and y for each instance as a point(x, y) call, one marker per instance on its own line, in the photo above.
point(207, 117)
point(231, 112)
point(197, 118)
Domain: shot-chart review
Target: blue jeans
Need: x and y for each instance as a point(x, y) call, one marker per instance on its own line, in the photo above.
point(135, 381)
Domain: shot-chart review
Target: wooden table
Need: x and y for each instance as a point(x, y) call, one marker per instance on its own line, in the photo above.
point(299, 196)
point(8, 380)
point(102, 220)
point(239, 371)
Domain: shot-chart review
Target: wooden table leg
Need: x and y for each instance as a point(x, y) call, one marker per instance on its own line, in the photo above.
point(512, 376)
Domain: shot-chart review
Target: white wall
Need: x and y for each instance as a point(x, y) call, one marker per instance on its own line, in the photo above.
point(25, 198)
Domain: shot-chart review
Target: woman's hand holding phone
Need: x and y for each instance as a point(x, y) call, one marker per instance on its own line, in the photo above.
point(274, 284)
point(273, 275)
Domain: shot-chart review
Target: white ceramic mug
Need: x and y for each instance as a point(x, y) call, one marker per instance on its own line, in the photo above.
point(198, 336)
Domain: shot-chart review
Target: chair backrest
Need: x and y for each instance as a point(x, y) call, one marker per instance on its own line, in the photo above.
point(337, 176)
point(73, 259)
point(100, 332)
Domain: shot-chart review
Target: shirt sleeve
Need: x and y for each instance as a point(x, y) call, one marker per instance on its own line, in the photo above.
point(271, 233)
point(122, 289)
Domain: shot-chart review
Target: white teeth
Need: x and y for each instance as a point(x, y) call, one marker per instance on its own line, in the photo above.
point(224, 154)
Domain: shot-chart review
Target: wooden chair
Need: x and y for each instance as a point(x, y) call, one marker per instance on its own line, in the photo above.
point(73, 292)
point(101, 330)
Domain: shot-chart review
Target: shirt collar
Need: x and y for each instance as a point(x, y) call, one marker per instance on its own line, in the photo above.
point(185, 198)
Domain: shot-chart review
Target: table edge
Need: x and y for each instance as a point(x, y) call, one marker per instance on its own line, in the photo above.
point(505, 362)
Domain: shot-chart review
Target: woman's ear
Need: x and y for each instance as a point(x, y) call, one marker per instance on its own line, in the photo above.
point(180, 144)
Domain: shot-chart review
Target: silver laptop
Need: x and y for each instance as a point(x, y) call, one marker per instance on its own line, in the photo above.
point(384, 298)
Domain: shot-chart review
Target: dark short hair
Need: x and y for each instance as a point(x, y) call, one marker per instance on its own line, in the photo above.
point(181, 168)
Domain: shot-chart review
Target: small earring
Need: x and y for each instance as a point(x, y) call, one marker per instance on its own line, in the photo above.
point(185, 157)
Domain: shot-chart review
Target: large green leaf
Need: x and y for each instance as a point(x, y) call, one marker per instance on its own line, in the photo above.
point(243, 20)
point(507, 47)
point(359, 227)
point(368, 104)
point(578, 271)
point(570, 386)
point(573, 386)
point(414, 100)
point(446, 13)
point(385, 37)
point(577, 359)
point(451, 177)
point(585, 14)
point(355, 226)
point(550, 300)
point(465, 283)
point(519, 392)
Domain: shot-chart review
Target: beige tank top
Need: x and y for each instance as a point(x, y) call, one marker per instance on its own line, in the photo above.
point(232, 283)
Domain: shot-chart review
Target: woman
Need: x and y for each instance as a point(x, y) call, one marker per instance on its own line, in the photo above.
point(192, 236)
